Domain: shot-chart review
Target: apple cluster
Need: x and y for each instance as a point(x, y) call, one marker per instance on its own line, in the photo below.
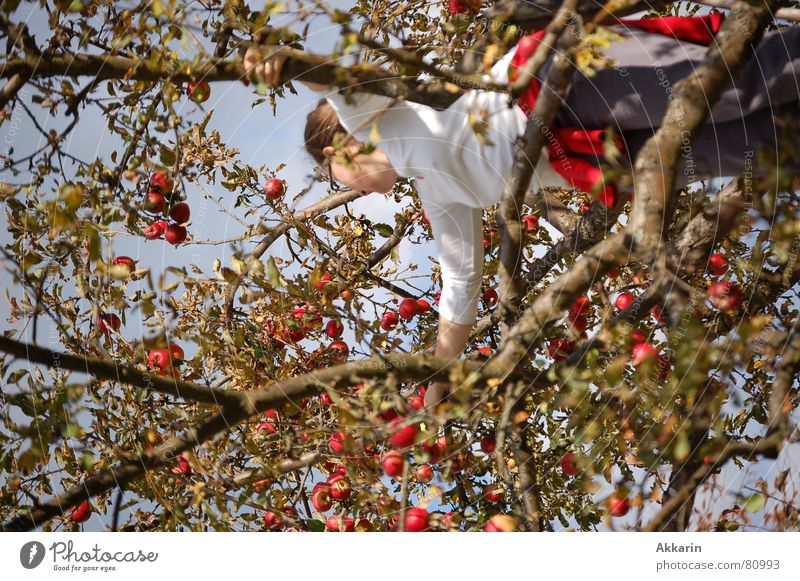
point(155, 202)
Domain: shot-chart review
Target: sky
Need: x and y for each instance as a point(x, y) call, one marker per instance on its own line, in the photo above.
point(263, 140)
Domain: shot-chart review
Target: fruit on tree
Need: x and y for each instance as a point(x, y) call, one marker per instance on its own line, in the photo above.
point(108, 322)
point(490, 297)
point(175, 234)
point(321, 497)
point(389, 321)
point(126, 263)
point(339, 350)
point(402, 436)
point(408, 309)
point(717, 265)
point(333, 524)
point(392, 463)
point(417, 402)
point(464, 6)
point(559, 348)
point(488, 444)
point(424, 473)
point(725, 295)
point(155, 230)
point(324, 281)
point(643, 353)
point(416, 520)
point(274, 189)
point(180, 212)
point(531, 222)
point(160, 183)
point(623, 300)
point(154, 202)
point(618, 505)
point(581, 306)
point(492, 493)
point(81, 513)
point(423, 306)
point(341, 489)
point(501, 523)
point(199, 91)
point(272, 520)
point(568, 466)
point(638, 336)
point(334, 328)
point(339, 442)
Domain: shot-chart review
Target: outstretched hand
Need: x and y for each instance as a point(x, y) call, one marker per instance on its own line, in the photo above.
point(261, 70)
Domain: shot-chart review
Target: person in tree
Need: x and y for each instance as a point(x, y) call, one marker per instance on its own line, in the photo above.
point(458, 170)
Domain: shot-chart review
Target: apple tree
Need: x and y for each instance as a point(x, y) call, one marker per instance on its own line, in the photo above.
point(615, 370)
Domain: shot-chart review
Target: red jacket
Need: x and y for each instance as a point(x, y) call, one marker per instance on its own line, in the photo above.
point(578, 172)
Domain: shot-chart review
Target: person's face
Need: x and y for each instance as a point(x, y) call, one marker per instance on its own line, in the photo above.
point(368, 172)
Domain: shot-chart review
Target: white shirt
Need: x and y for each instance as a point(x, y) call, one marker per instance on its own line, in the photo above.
point(455, 175)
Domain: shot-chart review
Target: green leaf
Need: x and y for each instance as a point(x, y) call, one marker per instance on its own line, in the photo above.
point(316, 526)
point(383, 229)
point(755, 503)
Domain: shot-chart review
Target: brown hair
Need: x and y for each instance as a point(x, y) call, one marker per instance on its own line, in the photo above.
point(322, 129)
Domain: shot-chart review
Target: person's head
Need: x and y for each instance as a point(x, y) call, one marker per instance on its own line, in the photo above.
point(369, 172)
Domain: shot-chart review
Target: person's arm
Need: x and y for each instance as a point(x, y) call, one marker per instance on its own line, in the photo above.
point(268, 71)
point(457, 232)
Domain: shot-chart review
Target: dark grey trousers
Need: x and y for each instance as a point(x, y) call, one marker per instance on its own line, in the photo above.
point(632, 96)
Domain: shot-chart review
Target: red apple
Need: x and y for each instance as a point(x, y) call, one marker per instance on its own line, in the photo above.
point(160, 183)
point(488, 444)
point(577, 321)
point(199, 92)
point(425, 217)
point(501, 523)
point(638, 336)
point(183, 467)
point(531, 222)
point(155, 230)
point(559, 348)
point(274, 189)
point(389, 321)
point(109, 322)
point(423, 306)
point(333, 524)
point(437, 297)
point(341, 489)
point(81, 513)
point(624, 300)
point(334, 329)
point(154, 202)
point(568, 466)
point(408, 309)
point(464, 6)
point(159, 359)
point(392, 463)
point(325, 280)
point(643, 352)
point(321, 497)
point(581, 306)
point(424, 473)
point(585, 209)
point(725, 295)
point(490, 297)
point(492, 492)
point(717, 265)
point(402, 436)
point(340, 442)
point(618, 506)
point(416, 520)
point(272, 520)
point(417, 402)
point(657, 315)
point(176, 352)
point(175, 234)
point(339, 350)
point(126, 262)
point(180, 212)
point(485, 351)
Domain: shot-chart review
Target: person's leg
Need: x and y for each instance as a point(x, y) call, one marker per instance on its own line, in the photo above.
point(634, 94)
point(728, 148)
